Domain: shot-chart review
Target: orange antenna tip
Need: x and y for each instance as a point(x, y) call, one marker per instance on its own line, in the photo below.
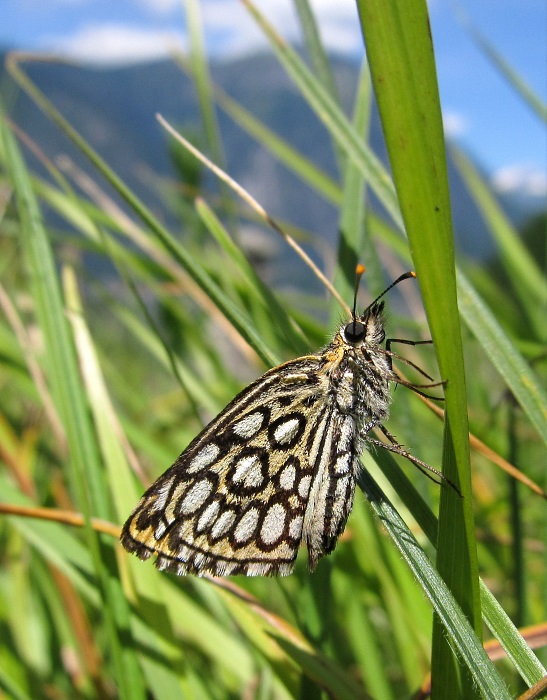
point(359, 269)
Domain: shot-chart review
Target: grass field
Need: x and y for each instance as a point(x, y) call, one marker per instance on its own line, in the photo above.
point(102, 386)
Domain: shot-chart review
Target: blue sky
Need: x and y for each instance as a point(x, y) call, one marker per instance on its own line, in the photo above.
point(481, 111)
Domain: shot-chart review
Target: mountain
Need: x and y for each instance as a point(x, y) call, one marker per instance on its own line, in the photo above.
point(114, 110)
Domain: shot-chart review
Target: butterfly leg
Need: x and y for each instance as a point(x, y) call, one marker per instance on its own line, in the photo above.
point(425, 468)
point(390, 354)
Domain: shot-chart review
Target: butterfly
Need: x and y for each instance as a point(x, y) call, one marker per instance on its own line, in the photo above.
point(279, 465)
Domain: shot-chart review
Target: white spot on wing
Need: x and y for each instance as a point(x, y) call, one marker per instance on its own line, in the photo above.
point(287, 477)
point(159, 531)
point(161, 494)
point(196, 496)
point(207, 517)
point(246, 526)
point(204, 458)
point(249, 426)
point(273, 524)
point(304, 486)
point(249, 471)
point(223, 524)
point(286, 431)
point(295, 527)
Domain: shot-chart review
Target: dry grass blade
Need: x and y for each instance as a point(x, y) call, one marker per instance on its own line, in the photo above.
point(251, 201)
point(489, 453)
point(67, 517)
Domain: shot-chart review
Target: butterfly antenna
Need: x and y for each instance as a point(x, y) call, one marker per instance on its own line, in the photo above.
point(407, 275)
point(359, 270)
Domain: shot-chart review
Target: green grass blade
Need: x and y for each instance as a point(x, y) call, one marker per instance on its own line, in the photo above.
point(63, 374)
point(328, 111)
point(204, 88)
point(315, 48)
point(352, 247)
point(526, 277)
point(306, 170)
point(401, 58)
point(523, 382)
point(182, 256)
point(202, 79)
point(318, 56)
point(503, 66)
point(455, 624)
point(256, 289)
point(499, 623)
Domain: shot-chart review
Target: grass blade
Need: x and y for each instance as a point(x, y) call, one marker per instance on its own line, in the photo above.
point(401, 57)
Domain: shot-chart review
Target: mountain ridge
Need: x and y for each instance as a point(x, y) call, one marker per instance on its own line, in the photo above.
point(114, 109)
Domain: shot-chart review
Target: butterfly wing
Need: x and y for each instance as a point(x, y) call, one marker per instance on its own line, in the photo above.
point(236, 500)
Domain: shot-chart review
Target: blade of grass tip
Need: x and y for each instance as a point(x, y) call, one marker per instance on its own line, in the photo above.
point(523, 658)
point(71, 404)
point(512, 77)
point(462, 636)
point(525, 385)
point(401, 58)
point(525, 274)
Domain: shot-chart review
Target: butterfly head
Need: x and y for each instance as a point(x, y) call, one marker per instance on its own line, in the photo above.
point(367, 329)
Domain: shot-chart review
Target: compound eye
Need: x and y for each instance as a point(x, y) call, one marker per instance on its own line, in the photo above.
point(354, 332)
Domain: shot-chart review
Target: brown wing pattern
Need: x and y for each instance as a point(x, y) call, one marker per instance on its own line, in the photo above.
point(240, 497)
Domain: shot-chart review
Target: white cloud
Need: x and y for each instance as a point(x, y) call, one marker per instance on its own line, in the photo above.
point(455, 124)
point(232, 31)
point(521, 177)
point(339, 25)
point(229, 28)
point(115, 44)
